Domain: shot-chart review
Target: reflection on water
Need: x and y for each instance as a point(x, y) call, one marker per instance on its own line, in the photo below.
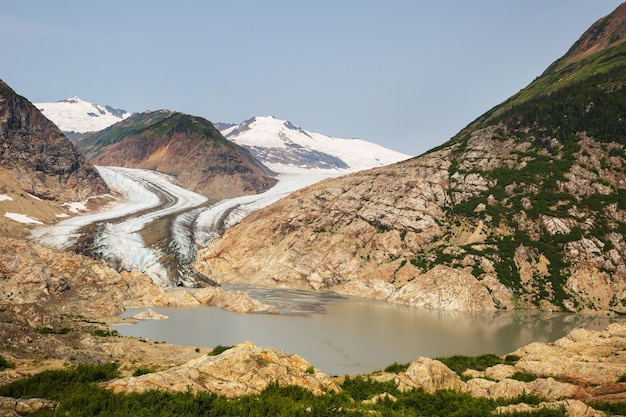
point(347, 336)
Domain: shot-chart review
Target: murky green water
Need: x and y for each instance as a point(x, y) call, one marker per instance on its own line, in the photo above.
point(347, 336)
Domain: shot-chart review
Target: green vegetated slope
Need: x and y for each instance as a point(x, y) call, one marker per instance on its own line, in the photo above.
point(565, 164)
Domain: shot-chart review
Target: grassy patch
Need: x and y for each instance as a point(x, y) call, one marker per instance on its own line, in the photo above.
point(461, 363)
point(524, 376)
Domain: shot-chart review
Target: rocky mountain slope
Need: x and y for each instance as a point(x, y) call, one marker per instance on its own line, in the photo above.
point(187, 147)
point(74, 115)
point(280, 143)
point(40, 169)
point(524, 208)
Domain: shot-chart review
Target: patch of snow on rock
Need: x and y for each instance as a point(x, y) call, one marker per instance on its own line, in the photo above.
point(21, 218)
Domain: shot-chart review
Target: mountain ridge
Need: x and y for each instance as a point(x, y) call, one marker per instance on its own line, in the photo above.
point(598, 51)
point(40, 169)
point(524, 208)
point(185, 146)
point(279, 143)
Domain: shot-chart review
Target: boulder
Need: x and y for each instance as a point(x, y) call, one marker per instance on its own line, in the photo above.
point(429, 374)
point(14, 406)
point(499, 372)
point(552, 390)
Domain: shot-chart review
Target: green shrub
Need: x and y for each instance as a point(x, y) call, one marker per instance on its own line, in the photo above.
point(611, 409)
point(511, 359)
point(218, 349)
point(105, 332)
point(55, 384)
point(142, 371)
point(362, 388)
point(50, 330)
point(461, 363)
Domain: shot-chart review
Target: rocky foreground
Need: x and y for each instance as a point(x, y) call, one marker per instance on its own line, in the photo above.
point(581, 367)
point(55, 308)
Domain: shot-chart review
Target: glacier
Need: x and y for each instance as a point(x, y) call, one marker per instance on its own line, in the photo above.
point(143, 196)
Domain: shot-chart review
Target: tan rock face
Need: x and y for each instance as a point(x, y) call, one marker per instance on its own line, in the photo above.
point(241, 370)
point(384, 233)
point(38, 157)
point(431, 375)
point(445, 288)
point(352, 250)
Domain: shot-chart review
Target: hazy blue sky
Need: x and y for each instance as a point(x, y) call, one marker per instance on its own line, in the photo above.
point(407, 74)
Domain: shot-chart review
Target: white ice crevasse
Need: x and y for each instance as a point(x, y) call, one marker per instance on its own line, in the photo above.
point(140, 191)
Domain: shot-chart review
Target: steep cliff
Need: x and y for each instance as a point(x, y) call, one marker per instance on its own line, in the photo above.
point(524, 208)
point(184, 146)
point(40, 169)
point(37, 155)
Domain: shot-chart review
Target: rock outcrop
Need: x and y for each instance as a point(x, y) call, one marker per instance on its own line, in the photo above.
point(425, 373)
point(66, 282)
point(18, 407)
point(580, 368)
point(587, 356)
point(244, 369)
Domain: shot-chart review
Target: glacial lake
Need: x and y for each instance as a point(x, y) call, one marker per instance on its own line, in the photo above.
point(348, 336)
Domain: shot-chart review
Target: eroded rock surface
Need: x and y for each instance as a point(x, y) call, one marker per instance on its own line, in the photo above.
point(241, 370)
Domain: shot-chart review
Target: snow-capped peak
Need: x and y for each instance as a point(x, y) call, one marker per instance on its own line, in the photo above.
point(72, 99)
point(280, 144)
point(76, 115)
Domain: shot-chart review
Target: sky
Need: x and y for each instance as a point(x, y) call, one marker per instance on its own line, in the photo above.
point(406, 74)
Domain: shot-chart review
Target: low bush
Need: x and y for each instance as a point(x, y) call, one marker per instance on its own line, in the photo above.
point(396, 368)
point(461, 363)
point(218, 349)
point(50, 330)
point(4, 364)
point(142, 371)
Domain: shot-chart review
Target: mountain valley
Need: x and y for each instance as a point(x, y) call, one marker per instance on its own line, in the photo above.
point(522, 210)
